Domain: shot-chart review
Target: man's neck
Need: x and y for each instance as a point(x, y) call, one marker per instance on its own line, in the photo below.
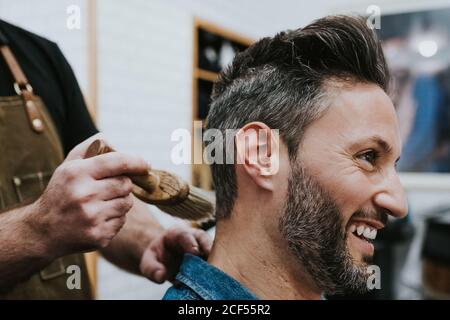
point(265, 268)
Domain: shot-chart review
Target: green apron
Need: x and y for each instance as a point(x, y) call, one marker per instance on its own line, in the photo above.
point(30, 151)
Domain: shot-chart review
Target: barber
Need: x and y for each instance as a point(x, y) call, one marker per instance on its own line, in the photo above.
point(55, 204)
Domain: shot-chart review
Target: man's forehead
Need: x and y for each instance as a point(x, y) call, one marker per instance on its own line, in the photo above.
point(364, 101)
point(360, 114)
point(363, 104)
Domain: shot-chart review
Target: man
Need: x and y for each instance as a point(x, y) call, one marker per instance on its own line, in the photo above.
point(306, 228)
point(44, 228)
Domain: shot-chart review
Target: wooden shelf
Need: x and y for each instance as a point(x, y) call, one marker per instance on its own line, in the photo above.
point(227, 34)
point(201, 174)
point(206, 75)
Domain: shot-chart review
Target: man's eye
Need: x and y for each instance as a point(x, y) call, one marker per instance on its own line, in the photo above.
point(369, 156)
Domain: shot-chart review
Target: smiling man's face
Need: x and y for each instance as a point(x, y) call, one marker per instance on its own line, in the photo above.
point(343, 187)
point(352, 152)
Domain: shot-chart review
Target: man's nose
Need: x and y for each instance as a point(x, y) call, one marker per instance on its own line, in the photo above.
point(392, 196)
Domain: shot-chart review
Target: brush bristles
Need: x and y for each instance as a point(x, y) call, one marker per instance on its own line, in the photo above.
point(198, 206)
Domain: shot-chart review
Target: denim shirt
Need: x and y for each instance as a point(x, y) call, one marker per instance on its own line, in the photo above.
point(199, 280)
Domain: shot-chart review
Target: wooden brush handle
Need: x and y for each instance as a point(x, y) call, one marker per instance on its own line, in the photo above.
point(158, 187)
point(149, 182)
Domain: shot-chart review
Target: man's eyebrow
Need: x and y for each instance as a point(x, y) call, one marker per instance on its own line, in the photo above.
point(385, 147)
point(383, 144)
point(379, 141)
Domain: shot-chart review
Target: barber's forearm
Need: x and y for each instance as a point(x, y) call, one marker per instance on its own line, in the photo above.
point(23, 249)
point(127, 248)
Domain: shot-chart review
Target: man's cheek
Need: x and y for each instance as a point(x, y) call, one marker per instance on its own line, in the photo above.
point(346, 207)
point(351, 198)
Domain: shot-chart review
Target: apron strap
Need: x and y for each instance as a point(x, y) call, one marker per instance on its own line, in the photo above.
point(19, 77)
point(21, 85)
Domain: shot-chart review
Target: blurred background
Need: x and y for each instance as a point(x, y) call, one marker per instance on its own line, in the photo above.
point(147, 67)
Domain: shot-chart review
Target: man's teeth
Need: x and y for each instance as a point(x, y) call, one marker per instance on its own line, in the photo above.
point(360, 230)
point(365, 231)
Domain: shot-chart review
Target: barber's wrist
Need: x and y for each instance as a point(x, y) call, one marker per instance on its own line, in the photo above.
point(41, 245)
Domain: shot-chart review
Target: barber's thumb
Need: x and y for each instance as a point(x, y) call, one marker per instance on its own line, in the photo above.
point(79, 151)
point(152, 269)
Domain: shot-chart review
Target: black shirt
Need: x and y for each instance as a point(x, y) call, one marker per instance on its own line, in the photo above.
point(52, 79)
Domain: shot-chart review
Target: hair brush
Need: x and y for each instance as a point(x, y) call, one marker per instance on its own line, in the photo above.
point(165, 190)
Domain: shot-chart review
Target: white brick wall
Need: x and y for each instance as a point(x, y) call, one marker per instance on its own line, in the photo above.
point(144, 93)
point(144, 76)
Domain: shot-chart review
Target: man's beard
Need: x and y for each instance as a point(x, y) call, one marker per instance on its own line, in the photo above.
point(314, 229)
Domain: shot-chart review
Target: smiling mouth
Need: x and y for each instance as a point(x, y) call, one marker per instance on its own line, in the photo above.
point(363, 232)
point(365, 229)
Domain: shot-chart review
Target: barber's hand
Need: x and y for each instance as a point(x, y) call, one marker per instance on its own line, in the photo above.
point(85, 203)
point(162, 258)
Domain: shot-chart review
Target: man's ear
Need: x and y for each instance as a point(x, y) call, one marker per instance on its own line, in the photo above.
point(257, 148)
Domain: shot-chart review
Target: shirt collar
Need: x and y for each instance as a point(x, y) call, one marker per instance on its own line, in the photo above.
point(209, 282)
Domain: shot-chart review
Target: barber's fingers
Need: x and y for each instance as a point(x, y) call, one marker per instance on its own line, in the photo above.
point(116, 224)
point(115, 187)
point(189, 240)
point(182, 240)
point(204, 240)
point(79, 151)
point(116, 208)
point(107, 230)
point(162, 258)
point(116, 164)
point(179, 241)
